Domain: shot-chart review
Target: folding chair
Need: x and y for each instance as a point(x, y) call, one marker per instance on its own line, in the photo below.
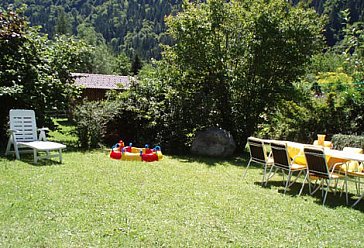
point(317, 168)
point(23, 137)
point(350, 168)
point(258, 155)
point(281, 161)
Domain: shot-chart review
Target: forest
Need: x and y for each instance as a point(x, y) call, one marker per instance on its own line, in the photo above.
point(137, 27)
point(128, 26)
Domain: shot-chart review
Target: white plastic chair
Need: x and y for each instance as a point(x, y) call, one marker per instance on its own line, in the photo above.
point(24, 137)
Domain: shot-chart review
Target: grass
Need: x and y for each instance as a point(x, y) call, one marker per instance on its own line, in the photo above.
point(91, 200)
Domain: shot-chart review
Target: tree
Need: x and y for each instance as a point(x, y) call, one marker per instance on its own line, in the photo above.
point(34, 72)
point(123, 64)
point(232, 61)
point(103, 60)
point(136, 65)
point(335, 102)
point(63, 23)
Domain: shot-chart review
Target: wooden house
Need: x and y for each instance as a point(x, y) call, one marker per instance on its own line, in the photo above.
point(96, 85)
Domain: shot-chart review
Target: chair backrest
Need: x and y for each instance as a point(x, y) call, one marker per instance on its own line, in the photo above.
point(23, 121)
point(257, 150)
point(280, 155)
point(316, 162)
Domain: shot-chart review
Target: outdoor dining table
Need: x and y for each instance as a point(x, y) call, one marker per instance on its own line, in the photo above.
point(295, 151)
point(348, 156)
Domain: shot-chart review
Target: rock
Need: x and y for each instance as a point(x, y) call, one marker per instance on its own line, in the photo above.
point(214, 142)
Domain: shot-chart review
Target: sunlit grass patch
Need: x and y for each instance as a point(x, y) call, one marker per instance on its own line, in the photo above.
point(91, 200)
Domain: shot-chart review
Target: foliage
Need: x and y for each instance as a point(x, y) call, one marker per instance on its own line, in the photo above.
point(337, 81)
point(91, 119)
point(335, 104)
point(136, 65)
point(130, 26)
point(232, 61)
point(301, 119)
point(340, 141)
point(336, 21)
point(34, 72)
point(291, 121)
point(352, 47)
point(141, 112)
point(138, 27)
point(327, 61)
point(123, 64)
point(102, 59)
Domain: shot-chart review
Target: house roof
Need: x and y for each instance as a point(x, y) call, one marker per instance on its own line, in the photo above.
point(101, 81)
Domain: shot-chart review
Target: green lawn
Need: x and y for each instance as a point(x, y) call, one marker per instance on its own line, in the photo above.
point(93, 201)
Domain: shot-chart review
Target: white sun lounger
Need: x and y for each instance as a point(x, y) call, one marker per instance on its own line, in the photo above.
point(23, 134)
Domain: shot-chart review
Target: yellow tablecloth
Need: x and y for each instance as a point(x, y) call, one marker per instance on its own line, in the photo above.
point(295, 152)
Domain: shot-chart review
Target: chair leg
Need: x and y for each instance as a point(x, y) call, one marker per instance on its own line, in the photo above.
point(35, 153)
point(13, 142)
point(17, 155)
point(295, 180)
point(326, 191)
point(8, 146)
point(336, 182)
point(346, 191)
point(265, 177)
point(269, 175)
point(246, 169)
point(309, 185)
point(303, 184)
point(264, 173)
point(288, 180)
point(60, 156)
point(317, 187)
point(358, 184)
point(283, 174)
point(345, 183)
point(357, 201)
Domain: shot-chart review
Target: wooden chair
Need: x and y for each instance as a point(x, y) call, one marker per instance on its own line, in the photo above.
point(350, 169)
point(24, 137)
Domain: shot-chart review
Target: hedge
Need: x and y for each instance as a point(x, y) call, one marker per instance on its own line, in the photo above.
point(340, 141)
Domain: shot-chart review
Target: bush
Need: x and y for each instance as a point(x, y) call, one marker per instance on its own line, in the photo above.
point(340, 141)
point(91, 120)
point(142, 112)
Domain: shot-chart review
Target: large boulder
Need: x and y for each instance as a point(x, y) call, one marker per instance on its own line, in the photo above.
point(214, 142)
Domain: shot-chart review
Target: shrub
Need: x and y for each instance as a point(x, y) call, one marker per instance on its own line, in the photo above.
point(142, 112)
point(340, 141)
point(91, 119)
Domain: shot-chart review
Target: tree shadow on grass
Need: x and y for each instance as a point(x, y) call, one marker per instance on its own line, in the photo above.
point(332, 201)
point(240, 161)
